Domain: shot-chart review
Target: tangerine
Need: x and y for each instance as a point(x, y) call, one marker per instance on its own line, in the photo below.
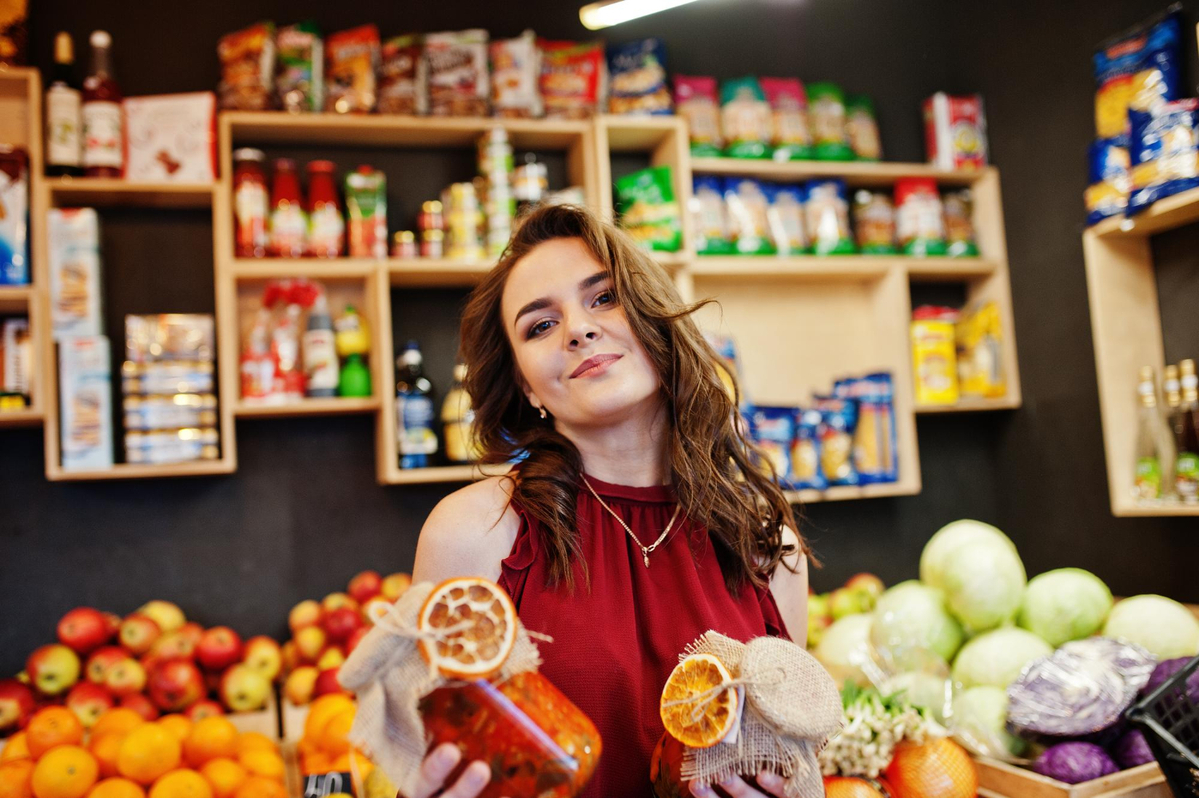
point(334, 737)
point(181, 783)
point(121, 719)
point(17, 747)
point(106, 748)
point(67, 771)
point(51, 727)
point(211, 738)
point(321, 711)
point(16, 778)
point(148, 752)
point(224, 775)
point(262, 763)
point(261, 787)
point(255, 741)
point(850, 787)
point(939, 767)
point(177, 725)
point(116, 788)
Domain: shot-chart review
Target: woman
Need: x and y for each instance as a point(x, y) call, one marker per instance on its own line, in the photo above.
point(637, 521)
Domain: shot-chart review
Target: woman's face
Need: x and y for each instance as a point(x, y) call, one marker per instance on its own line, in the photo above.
point(572, 341)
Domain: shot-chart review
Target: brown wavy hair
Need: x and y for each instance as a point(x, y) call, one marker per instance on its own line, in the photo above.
point(712, 464)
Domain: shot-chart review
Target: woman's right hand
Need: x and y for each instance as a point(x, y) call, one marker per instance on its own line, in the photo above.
point(440, 762)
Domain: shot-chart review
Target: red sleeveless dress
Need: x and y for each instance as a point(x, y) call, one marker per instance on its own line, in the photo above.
point(615, 646)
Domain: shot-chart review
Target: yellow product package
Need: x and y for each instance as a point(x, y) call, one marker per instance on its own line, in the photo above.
point(979, 337)
point(934, 360)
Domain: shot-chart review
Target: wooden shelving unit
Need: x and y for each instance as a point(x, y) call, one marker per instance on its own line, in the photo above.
point(69, 192)
point(16, 298)
point(1126, 329)
point(855, 173)
point(969, 405)
point(308, 407)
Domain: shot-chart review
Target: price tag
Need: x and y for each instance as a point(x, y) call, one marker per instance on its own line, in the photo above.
point(320, 785)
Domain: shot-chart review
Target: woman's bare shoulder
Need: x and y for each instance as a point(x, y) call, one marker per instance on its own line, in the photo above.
point(468, 533)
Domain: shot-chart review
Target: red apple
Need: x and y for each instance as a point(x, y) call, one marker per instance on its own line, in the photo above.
point(101, 660)
point(140, 704)
point(300, 685)
point(335, 601)
point(54, 669)
point(23, 678)
point(395, 584)
point(326, 683)
point(306, 613)
point(212, 681)
point(353, 640)
point(869, 583)
point(244, 689)
point(331, 657)
point(83, 629)
point(168, 616)
point(89, 701)
point(114, 623)
point(264, 655)
point(375, 608)
point(125, 678)
point(192, 631)
point(290, 655)
point(365, 586)
point(204, 709)
point(341, 623)
point(175, 685)
point(310, 642)
point(16, 705)
point(174, 645)
point(219, 647)
point(138, 633)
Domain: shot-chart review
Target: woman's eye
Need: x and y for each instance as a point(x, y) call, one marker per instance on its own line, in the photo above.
point(605, 298)
point(539, 328)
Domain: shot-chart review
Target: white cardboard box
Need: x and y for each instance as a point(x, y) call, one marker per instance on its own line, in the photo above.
point(75, 272)
point(171, 138)
point(85, 402)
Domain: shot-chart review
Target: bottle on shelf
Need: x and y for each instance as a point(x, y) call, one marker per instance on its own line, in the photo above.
point(414, 409)
point(1172, 404)
point(319, 353)
point(250, 203)
point(458, 419)
point(288, 225)
point(1187, 469)
point(103, 121)
point(326, 227)
point(353, 342)
point(64, 113)
point(1155, 451)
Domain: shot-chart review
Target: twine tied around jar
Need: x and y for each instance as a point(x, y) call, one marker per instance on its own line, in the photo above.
point(389, 676)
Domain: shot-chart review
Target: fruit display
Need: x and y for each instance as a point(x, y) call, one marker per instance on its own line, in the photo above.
point(323, 633)
point(152, 661)
point(858, 595)
point(124, 755)
point(325, 746)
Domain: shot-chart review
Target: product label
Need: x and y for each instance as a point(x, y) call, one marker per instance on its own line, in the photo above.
point(288, 226)
point(319, 785)
point(1187, 476)
point(62, 127)
point(326, 231)
point(320, 360)
point(414, 417)
point(103, 135)
point(1148, 479)
point(250, 207)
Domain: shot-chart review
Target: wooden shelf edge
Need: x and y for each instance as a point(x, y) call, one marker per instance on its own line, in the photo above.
point(199, 468)
point(308, 407)
point(801, 267)
point(316, 268)
point(116, 192)
point(852, 492)
point(853, 172)
point(15, 299)
point(463, 473)
point(970, 406)
point(29, 417)
point(1130, 510)
point(1167, 213)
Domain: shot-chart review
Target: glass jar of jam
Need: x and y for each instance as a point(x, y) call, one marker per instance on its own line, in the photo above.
point(404, 244)
point(249, 203)
point(536, 741)
point(288, 222)
point(326, 227)
point(432, 244)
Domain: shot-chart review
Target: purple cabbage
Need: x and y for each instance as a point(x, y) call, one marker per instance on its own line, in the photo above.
point(1074, 762)
point(1132, 750)
point(1167, 668)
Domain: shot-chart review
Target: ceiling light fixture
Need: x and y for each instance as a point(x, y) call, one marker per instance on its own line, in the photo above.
point(613, 12)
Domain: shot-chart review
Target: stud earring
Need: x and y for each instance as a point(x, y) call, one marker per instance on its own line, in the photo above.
point(541, 410)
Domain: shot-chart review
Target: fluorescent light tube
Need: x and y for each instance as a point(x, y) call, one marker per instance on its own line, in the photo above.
point(613, 12)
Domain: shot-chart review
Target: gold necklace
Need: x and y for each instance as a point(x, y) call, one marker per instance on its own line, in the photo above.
point(645, 550)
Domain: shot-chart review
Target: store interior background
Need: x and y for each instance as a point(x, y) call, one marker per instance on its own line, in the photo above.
point(303, 512)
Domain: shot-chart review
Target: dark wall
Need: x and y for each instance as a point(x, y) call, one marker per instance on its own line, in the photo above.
point(303, 513)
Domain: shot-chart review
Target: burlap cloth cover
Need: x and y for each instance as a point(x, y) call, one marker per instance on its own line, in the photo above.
point(390, 676)
point(791, 708)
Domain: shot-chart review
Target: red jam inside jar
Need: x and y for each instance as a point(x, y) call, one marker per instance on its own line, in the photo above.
point(535, 740)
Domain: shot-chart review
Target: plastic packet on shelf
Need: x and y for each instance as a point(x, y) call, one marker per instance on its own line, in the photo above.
point(403, 79)
point(709, 216)
point(155, 447)
point(459, 79)
point(837, 423)
point(1137, 71)
point(1164, 153)
point(959, 224)
point(791, 133)
point(75, 307)
point(745, 118)
point(648, 209)
point(695, 101)
point(747, 208)
point(862, 129)
point(830, 139)
point(85, 402)
point(170, 412)
point(826, 212)
point(300, 75)
point(573, 77)
point(637, 78)
point(979, 343)
point(14, 216)
point(806, 470)
point(167, 378)
point(247, 68)
point(874, 453)
point(1110, 179)
point(169, 336)
point(786, 218)
point(353, 60)
point(874, 222)
point(772, 429)
point(515, 70)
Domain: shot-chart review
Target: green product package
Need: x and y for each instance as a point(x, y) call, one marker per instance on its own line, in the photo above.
point(745, 119)
point(300, 68)
point(826, 106)
point(648, 209)
point(861, 126)
point(355, 378)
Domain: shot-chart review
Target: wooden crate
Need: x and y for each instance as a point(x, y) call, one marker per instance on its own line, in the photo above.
point(292, 718)
point(1000, 780)
point(264, 721)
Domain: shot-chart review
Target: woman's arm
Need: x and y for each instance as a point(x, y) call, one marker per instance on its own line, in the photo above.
point(468, 533)
point(791, 589)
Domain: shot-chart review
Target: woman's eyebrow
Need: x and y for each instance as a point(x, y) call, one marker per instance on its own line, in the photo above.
point(539, 304)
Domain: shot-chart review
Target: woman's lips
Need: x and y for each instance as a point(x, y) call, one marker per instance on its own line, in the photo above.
point(597, 364)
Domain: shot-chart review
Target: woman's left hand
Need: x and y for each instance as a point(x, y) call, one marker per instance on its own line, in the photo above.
point(769, 784)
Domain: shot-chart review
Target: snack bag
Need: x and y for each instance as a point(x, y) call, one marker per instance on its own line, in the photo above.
point(732, 708)
point(955, 131)
point(959, 224)
point(459, 81)
point(14, 216)
point(637, 75)
point(806, 472)
point(826, 211)
point(979, 343)
point(837, 423)
point(300, 75)
point(745, 117)
point(648, 209)
point(353, 61)
point(1111, 181)
point(366, 213)
point(874, 222)
point(453, 663)
point(772, 429)
point(747, 206)
point(874, 454)
point(829, 136)
point(862, 129)
point(786, 218)
point(919, 217)
point(709, 216)
point(1165, 152)
point(1137, 70)
point(729, 365)
point(791, 136)
point(247, 68)
point(572, 78)
point(695, 99)
point(515, 70)
point(934, 358)
point(403, 78)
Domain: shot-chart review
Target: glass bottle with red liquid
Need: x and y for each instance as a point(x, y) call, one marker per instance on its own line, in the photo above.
point(250, 203)
point(288, 224)
point(326, 227)
point(103, 121)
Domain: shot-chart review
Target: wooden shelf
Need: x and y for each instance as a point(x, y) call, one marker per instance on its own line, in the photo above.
point(801, 267)
point(930, 270)
point(855, 173)
point(1165, 214)
point(105, 192)
point(199, 468)
point(847, 493)
point(1132, 509)
point(970, 406)
point(29, 417)
point(308, 407)
point(640, 133)
point(462, 473)
point(15, 299)
point(314, 268)
point(435, 273)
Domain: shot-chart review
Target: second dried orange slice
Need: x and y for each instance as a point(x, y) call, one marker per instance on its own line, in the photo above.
point(692, 723)
point(475, 621)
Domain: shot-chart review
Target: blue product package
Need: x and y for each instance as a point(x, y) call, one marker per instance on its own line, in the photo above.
point(1109, 180)
point(785, 215)
point(1136, 71)
point(837, 419)
point(773, 430)
point(1164, 153)
point(874, 453)
point(637, 78)
point(806, 472)
point(14, 216)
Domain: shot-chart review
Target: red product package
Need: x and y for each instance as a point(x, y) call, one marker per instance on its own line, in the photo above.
point(353, 57)
point(247, 68)
point(572, 78)
point(955, 131)
point(402, 78)
point(459, 80)
point(695, 98)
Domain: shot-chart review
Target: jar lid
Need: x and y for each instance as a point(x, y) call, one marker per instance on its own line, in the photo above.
point(320, 166)
point(433, 235)
point(248, 154)
point(431, 206)
point(287, 164)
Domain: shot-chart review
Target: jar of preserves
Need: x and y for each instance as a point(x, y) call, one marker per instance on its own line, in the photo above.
point(326, 227)
point(249, 203)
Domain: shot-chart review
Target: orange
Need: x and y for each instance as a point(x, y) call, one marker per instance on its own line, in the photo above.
point(68, 771)
point(148, 752)
point(224, 776)
point(316, 763)
point(181, 783)
point(256, 741)
point(262, 763)
point(50, 727)
point(177, 725)
point(106, 748)
point(845, 787)
point(116, 788)
point(121, 719)
point(690, 681)
point(334, 737)
point(478, 624)
point(16, 778)
point(211, 738)
point(261, 787)
point(359, 764)
point(940, 767)
point(16, 748)
point(322, 710)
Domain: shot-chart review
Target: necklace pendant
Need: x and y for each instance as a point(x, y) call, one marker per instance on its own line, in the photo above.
point(645, 557)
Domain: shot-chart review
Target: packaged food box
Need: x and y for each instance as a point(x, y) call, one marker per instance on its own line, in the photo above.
point(171, 446)
point(934, 357)
point(14, 216)
point(637, 72)
point(459, 78)
point(85, 402)
point(955, 131)
point(16, 358)
point(171, 138)
point(169, 336)
point(170, 412)
point(74, 272)
point(167, 378)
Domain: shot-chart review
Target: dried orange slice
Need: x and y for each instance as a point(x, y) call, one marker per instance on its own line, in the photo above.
point(692, 679)
point(477, 621)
